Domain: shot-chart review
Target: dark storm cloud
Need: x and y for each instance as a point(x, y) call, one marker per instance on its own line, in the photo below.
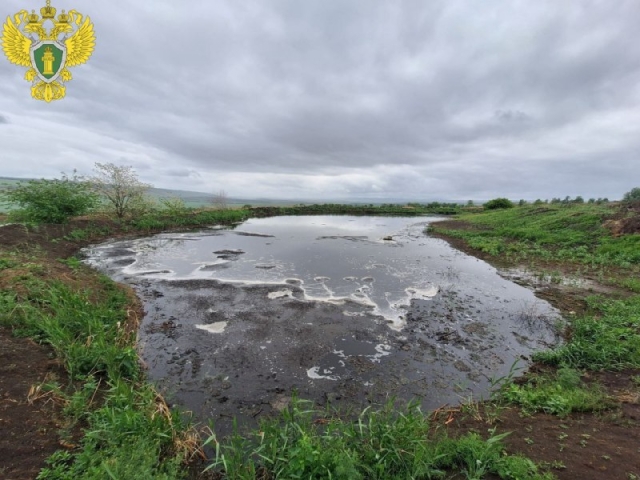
point(358, 97)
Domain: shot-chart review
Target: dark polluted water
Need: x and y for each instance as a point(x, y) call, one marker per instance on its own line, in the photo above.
point(345, 310)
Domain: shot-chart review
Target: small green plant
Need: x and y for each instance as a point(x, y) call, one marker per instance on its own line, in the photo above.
point(556, 465)
point(78, 234)
point(73, 262)
point(560, 394)
point(6, 263)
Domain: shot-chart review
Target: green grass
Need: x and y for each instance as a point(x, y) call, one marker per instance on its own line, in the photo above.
point(128, 433)
point(606, 339)
point(552, 232)
point(559, 393)
point(380, 444)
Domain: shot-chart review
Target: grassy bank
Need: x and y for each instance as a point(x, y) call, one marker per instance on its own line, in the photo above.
point(380, 444)
point(128, 431)
point(572, 233)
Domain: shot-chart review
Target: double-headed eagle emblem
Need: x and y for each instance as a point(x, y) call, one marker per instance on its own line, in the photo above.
point(48, 56)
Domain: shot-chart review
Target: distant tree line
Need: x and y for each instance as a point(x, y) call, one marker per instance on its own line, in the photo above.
point(116, 190)
point(568, 200)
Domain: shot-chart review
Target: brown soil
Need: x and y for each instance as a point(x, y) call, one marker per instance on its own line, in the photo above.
point(580, 446)
point(605, 445)
point(29, 430)
point(626, 220)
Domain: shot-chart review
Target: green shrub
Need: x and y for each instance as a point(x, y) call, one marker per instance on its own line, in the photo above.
point(497, 203)
point(174, 206)
point(632, 195)
point(50, 201)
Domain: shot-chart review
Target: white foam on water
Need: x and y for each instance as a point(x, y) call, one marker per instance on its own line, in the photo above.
point(280, 294)
point(219, 261)
point(152, 273)
point(348, 313)
point(383, 350)
point(362, 288)
point(428, 292)
point(217, 327)
point(314, 374)
point(397, 307)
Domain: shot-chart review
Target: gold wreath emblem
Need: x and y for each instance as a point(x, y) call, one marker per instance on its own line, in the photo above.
point(48, 53)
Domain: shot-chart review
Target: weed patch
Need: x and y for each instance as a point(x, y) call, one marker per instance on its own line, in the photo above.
point(560, 393)
point(608, 339)
point(380, 444)
point(130, 433)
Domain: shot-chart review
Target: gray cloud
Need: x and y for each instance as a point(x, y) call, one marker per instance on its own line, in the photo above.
point(3, 119)
point(349, 99)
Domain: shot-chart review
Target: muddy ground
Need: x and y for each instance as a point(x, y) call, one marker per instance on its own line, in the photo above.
point(226, 349)
point(581, 446)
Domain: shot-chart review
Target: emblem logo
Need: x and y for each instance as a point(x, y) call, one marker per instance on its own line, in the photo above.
point(48, 53)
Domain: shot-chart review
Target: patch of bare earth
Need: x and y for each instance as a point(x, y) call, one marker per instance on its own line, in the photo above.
point(585, 446)
point(30, 430)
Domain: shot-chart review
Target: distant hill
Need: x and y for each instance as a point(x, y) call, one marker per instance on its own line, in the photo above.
point(200, 199)
point(192, 199)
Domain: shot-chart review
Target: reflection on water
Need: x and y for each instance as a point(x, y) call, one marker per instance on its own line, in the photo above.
point(363, 307)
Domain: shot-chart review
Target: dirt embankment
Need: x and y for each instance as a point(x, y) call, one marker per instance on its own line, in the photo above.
point(31, 423)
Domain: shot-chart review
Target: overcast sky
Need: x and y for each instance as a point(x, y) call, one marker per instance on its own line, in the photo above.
point(344, 99)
